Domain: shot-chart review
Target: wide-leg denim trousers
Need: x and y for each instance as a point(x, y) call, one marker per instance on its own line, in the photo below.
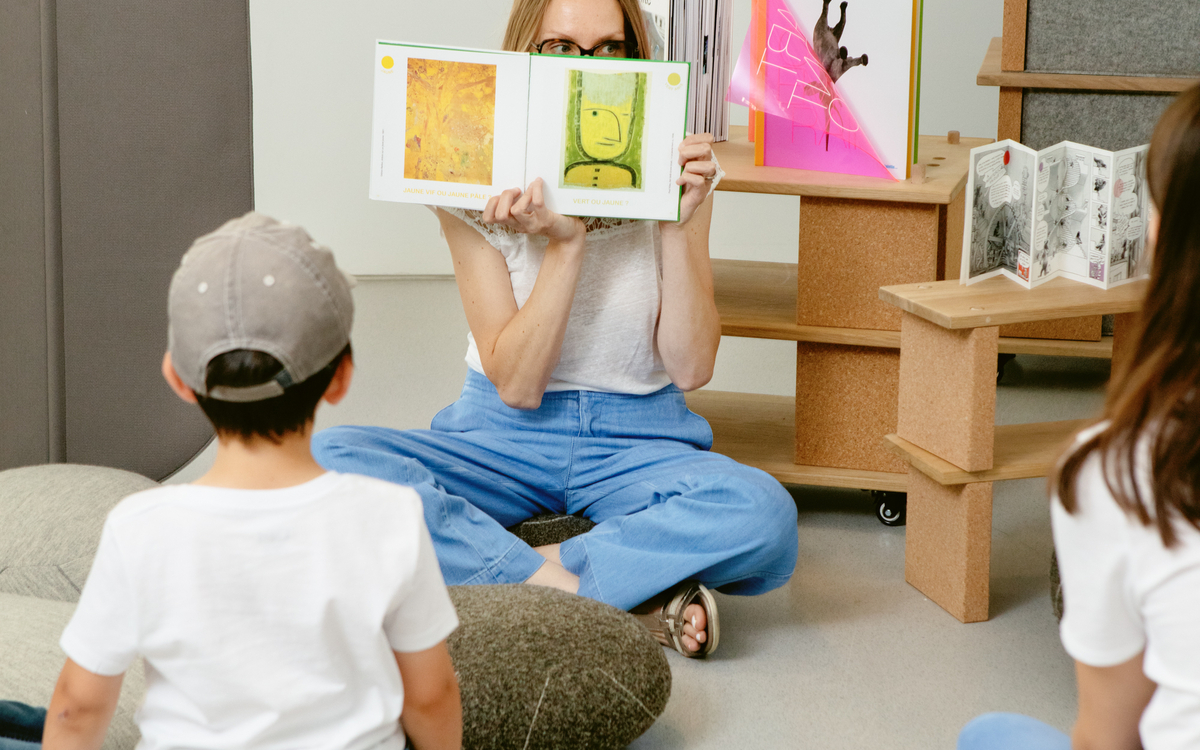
point(667, 510)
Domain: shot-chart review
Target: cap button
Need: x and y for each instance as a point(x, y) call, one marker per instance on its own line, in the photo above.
point(268, 280)
point(203, 287)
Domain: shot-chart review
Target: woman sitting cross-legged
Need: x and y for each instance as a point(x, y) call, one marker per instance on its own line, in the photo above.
point(584, 335)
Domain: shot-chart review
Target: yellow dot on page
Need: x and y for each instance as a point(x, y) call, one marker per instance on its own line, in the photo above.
point(388, 62)
point(674, 79)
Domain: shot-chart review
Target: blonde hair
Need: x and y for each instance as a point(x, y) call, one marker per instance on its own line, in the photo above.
point(526, 18)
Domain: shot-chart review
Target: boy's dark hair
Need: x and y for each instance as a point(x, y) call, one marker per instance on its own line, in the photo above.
point(271, 418)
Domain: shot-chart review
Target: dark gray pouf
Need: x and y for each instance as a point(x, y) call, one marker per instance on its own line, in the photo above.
point(550, 528)
point(541, 668)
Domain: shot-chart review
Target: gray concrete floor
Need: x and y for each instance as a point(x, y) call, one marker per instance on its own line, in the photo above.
point(846, 655)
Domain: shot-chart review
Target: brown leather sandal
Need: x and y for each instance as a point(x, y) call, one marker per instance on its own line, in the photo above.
point(666, 621)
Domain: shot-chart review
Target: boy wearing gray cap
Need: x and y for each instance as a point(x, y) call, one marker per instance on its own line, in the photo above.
point(276, 605)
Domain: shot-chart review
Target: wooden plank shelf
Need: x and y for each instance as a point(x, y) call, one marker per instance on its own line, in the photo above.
point(946, 173)
point(1021, 451)
point(992, 74)
point(758, 300)
point(997, 301)
point(760, 431)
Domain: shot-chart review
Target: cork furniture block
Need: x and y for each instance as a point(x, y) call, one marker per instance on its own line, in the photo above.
point(948, 544)
point(760, 431)
point(948, 403)
point(859, 246)
point(1086, 328)
point(845, 403)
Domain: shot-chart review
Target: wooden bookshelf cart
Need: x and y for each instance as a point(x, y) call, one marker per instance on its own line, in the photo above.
point(857, 233)
point(946, 432)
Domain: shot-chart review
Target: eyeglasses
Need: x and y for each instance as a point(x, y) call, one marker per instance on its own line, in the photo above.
point(611, 48)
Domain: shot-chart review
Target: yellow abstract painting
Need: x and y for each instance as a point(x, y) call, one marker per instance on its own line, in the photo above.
point(450, 121)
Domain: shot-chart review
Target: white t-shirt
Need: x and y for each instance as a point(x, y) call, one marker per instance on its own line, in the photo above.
point(1124, 592)
point(611, 342)
point(267, 618)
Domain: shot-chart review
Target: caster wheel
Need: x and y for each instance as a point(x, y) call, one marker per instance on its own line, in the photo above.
point(890, 507)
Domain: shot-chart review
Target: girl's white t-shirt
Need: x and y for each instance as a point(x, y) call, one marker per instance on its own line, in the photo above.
point(1124, 592)
point(267, 618)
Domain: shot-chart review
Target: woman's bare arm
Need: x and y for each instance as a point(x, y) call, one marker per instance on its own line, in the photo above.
point(689, 328)
point(519, 349)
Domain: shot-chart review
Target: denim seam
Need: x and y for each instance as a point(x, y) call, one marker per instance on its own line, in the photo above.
point(587, 573)
point(492, 571)
point(487, 567)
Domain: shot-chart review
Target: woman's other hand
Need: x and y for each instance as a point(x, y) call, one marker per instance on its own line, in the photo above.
point(527, 213)
point(699, 169)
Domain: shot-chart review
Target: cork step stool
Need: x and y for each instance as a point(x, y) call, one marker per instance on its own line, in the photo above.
point(946, 429)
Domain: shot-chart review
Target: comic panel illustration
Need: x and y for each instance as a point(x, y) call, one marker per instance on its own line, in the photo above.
point(1000, 225)
point(450, 121)
point(605, 119)
point(1128, 220)
point(1062, 234)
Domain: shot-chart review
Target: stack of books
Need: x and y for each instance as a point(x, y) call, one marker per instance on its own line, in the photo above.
point(696, 32)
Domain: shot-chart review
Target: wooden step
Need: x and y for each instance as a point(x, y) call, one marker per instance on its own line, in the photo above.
point(997, 301)
point(1021, 451)
point(760, 431)
point(736, 157)
point(991, 74)
point(758, 300)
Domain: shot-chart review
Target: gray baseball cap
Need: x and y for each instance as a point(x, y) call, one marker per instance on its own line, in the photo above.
point(263, 285)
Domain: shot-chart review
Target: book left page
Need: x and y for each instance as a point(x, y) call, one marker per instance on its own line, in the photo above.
point(998, 231)
point(604, 135)
point(449, 124)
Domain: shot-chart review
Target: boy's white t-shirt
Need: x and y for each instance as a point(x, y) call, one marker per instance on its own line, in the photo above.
point(1124, 592)
point(267, 618)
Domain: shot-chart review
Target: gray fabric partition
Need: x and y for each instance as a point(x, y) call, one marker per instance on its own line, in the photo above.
point(153, 148)
point(1104, 119)
point(24, 404)
point(1118, 37)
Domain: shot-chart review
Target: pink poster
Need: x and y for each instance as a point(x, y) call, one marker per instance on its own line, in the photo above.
point(809, 123)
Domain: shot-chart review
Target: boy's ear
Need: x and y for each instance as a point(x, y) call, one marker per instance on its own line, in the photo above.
point(340, 382)
point(176, 383)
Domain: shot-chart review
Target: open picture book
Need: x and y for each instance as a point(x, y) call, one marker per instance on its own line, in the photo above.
point(454, 127)
point(1067, 210)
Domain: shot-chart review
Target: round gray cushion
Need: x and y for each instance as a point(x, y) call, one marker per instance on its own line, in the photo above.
point(541, 668)
point(52, 516)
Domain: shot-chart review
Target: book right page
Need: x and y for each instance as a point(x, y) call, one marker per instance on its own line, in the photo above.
point(1128, 209)
point(604, 135)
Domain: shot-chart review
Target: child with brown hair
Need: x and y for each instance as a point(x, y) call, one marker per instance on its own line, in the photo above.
point(1126, 507)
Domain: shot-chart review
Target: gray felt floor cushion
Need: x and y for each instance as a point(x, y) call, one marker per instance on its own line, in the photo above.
point(537, 667)
point(50, 521)
point(541, 668)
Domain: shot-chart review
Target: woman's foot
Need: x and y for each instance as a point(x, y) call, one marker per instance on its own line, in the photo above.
point(684, 618)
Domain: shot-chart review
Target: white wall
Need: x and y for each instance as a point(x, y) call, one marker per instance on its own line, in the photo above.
point(312, 69)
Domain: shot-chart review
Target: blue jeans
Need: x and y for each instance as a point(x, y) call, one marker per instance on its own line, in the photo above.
point(1000, 731)
point(666, 509)
point(21, 726)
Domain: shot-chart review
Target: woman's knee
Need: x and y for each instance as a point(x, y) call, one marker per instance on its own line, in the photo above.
point(335, 445)
point(766, 514)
